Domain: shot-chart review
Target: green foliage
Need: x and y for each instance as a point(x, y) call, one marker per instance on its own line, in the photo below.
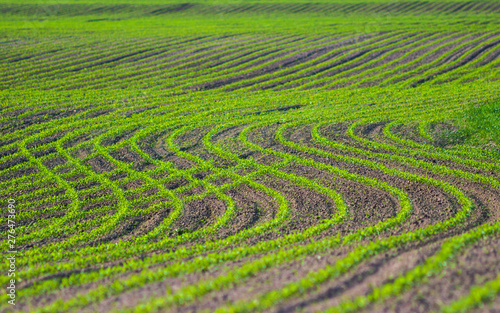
point(483, 122)
point(116, 117)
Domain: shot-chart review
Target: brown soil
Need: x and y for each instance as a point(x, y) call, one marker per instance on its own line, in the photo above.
point(272, 279)
point(435, 55)
point(375, 272)
point(475, 266)
point(348, 56)
point(408, 59)
point(469, 58)
point(253, 207)
point(283, 63)
point(167, 58)
point(199, 214)
point(367, 56)
point(367, 205)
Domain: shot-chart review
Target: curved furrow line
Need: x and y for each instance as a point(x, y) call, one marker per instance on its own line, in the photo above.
point(364, 58)
point(63, 152)
point(431, 267)
point(42, 71)
point(87, 51)
point(146, 249)
point(261, 246)
point(225, 59)
point(178, 58)
point(385, 59)
point(400, 75)
point(249, 66)
point(436, 151)
point(443, 73)
point(257, 61)
point(91, 72)
point(435, 68)
point(343, 44)
point(486, 72)
point(160, 303)
point(229, 157)
point(359, 53)
point(416, 47)
point(26, 50)
point(201, 161)
point(135, 264)
point(479, 295)
point(417, 152)
point(423, 131)
point(440, 169)
point(92, 80)
point(357, 256)
point(463, 67)
point(400, 68)
point(123, 204)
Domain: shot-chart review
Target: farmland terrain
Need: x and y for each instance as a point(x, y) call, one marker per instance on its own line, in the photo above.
point(251, 156)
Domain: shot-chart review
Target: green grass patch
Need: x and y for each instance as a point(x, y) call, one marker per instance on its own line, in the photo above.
point(478, 126)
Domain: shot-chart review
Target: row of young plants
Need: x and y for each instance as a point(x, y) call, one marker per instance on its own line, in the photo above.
point(461, 71)
point(283, 198)
point(262, 60)
point(423, 129)
point(179, 57)
point(461, 64)
point(432, 267)
point(384, 72)
point(274, 297)
point(192, 51)
point(274, 301)
point(289, 81)
point(477, 297)
point(317, 66)
point(85, 76)
point(195, 291)
point(485, 72)
point(59, 127)
point(366, 58)
point(430, 153)
point(375, 295)
point(64, 58)
point(427, 40)
point(475, 154)
point(123, 109)
point(104, 181)
point(126, 265)
point(229, 62)
point(126, 50)
point(321, 225)
point(300, 74)
point(434, 67)
point(488, 164)
point(54, 66)
point(350, 42)
point(403, 76)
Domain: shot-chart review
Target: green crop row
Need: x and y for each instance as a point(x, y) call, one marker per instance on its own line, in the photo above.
point(113, 135)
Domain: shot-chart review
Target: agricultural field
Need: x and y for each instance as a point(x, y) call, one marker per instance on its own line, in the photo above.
point(250, 156)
